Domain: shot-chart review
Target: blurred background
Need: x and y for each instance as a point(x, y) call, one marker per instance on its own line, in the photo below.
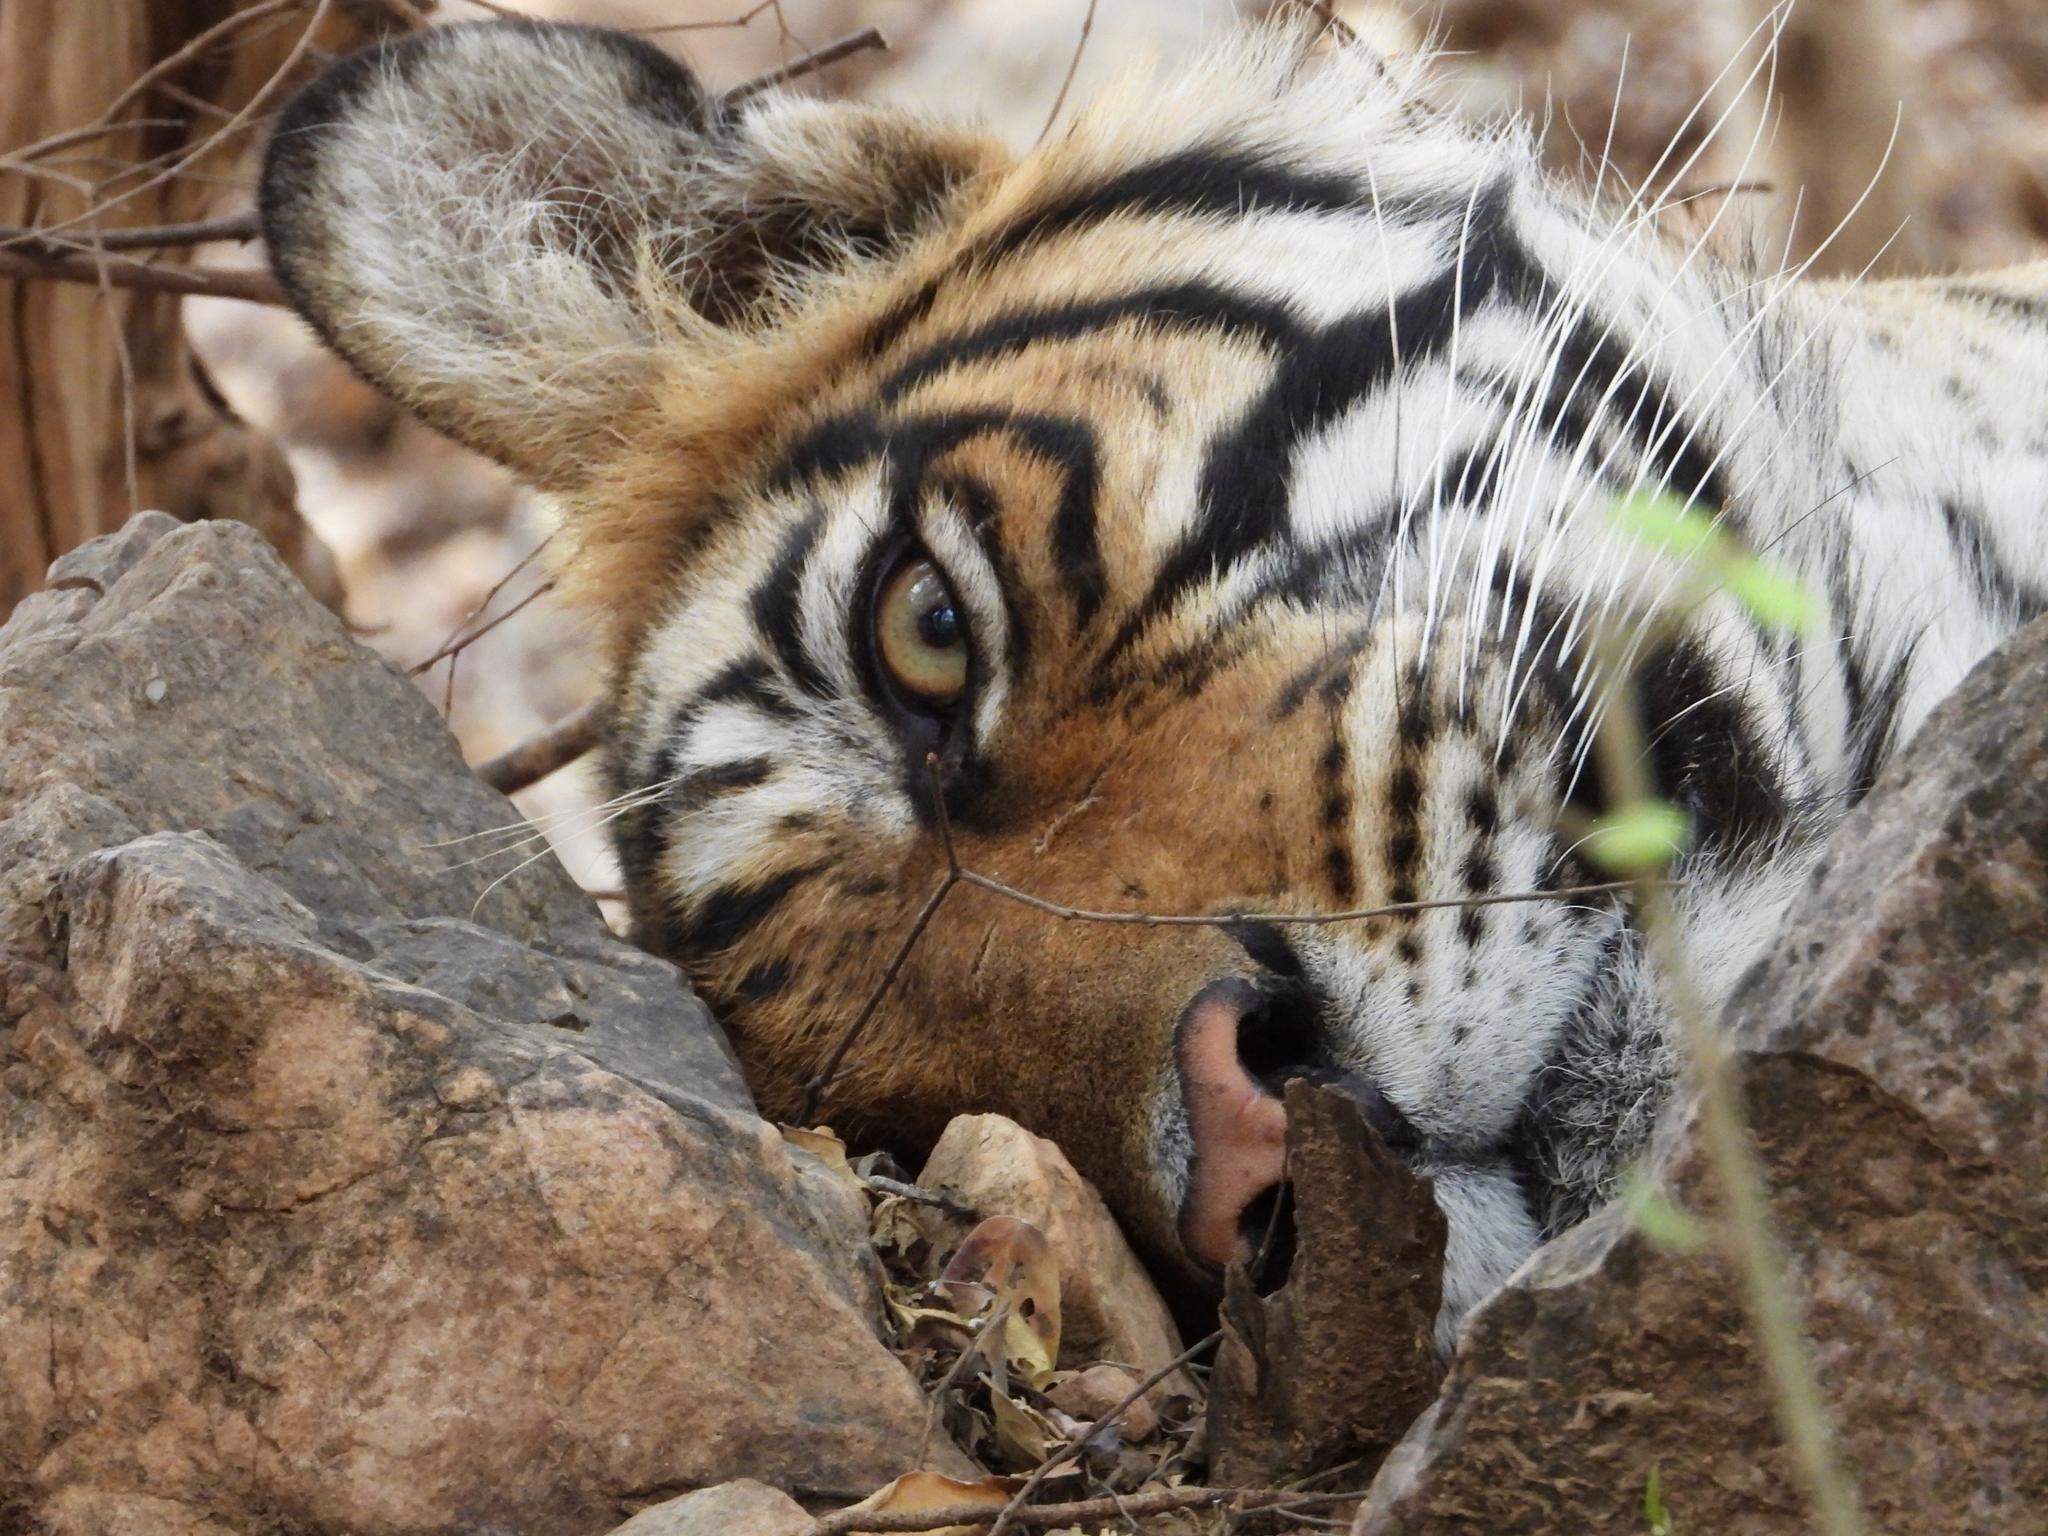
point(141, 366)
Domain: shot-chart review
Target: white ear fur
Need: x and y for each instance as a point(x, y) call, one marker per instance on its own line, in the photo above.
point(513, 228)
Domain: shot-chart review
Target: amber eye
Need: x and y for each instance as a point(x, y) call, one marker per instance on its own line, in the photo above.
point(919, 635)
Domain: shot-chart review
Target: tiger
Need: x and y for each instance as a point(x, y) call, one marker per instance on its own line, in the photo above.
point(1205, 520)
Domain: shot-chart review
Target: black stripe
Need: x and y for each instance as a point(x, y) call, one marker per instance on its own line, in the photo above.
point(911, 445)
point(1267, 947)
point(1703, 751)
point(1076, 546)
point(727, 915)
point(777, 607)
point(2024, 306)
point(1871, 700)
point(1187, 306)
point(1621, 388)
point(1243, 504)
point(984, 520)
point(1202, 181)
point(2004, 591)
point(745, 682)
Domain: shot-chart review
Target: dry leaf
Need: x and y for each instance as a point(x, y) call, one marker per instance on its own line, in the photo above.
point(827, 1148)
point(1012, 1258)
point(1024, 1436)
point(917, 1491)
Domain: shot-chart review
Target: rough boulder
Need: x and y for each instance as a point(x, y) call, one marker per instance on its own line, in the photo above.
point(1896, 1079)
point(344, 1187)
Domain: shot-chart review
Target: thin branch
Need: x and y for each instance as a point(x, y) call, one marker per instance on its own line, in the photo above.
point(988, 1329)
point(814, 1090)
point(1750, 1241)
point(1304, 919)
point(547, 751)
point(955, 875)
point(1012, 1511)
point(463, 642)
point(868, 39)
point(171, 63)
point(251, 286)
point(482, 605)
point(148, 237)
point(744, 18)
point(1073, 68)
point(56, 141)
point(243, 116)
point(1080, 1512)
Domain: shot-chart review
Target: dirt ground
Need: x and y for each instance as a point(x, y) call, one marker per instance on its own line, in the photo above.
point(1953, 103)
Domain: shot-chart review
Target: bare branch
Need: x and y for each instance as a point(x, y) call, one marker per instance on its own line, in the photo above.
point(1073, 68)
point(866, 40)
point(195, 48)
point(147, 237)
point(546, 752)
point(241, 119)
point(744, 18)
point(1304, 919)
point(251, 285)
point(814, 1090)
point(1013, 1511)
point(463, 642)
point(1080, 1512)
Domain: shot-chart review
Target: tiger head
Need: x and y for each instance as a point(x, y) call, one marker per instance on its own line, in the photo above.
point(1191, 517)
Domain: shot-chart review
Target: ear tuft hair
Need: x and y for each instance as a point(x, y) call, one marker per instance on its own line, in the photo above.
point(514, 228)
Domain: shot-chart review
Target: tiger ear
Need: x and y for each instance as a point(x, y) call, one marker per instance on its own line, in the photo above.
point(512, 228)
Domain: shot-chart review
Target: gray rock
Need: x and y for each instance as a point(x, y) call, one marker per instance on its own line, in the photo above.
point(742, 1508)
point(339, 1193)
point(1895, 1085)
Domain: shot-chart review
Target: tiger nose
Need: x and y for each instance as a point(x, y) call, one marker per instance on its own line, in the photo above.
point(1237, 1049)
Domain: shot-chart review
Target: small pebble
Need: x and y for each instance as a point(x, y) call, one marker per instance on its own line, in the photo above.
point(1100, 1388)
point(155, 689)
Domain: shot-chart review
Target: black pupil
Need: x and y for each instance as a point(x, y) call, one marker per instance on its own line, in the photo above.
point(939, 627)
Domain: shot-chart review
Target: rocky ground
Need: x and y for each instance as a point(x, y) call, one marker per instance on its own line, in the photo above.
point(348, 1188)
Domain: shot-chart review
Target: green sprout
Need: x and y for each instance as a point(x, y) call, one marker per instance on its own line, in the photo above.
point(1638, 839)
point(1654, 1512)
point(1663, 522)
point(1653, 1214)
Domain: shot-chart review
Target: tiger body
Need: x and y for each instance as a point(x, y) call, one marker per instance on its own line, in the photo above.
point(1262, 433)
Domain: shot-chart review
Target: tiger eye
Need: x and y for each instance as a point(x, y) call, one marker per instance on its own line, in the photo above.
point(919, 636)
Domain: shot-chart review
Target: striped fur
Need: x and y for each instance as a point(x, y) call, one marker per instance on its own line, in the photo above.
point(1264, 426)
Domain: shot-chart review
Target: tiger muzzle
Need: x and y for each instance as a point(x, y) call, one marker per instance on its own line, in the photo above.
point(1237, 1046)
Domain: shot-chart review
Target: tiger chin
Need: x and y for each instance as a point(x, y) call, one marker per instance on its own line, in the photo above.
point(1205, 513)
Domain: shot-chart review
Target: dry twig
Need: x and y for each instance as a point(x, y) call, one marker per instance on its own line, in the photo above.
point(1013, 1512)
point(1073, 68)
point(546, 752)
point(465, 641)
point(1079, 1512)
point(868, 39)
point(251, 285)
point(955, 875)
point(147, 237)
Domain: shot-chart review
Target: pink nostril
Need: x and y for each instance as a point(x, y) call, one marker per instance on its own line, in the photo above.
point(1239, 1129)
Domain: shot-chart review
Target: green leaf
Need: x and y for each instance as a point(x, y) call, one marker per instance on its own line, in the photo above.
point(1664, 522)
point(1774, 597)
point(1638, 839)
point(1652, 1213)
point(1653, 1505)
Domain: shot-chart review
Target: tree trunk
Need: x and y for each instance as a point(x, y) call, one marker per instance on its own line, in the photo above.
point(107, 411)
